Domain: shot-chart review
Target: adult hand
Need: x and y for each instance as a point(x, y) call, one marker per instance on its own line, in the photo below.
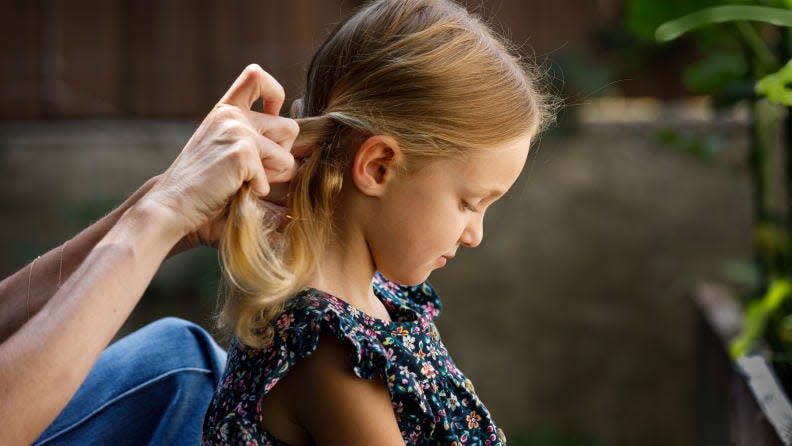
point(233, 146)
point(43, 363)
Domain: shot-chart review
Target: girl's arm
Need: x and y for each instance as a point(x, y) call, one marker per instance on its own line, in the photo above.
point(335, 406)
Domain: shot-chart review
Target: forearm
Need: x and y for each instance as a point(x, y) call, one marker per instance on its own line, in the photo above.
point(43, 363)
point(43, 278)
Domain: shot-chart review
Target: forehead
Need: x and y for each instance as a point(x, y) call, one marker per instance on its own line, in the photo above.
point(488, 170)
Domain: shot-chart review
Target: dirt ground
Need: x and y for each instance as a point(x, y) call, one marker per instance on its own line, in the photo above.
point(572, 314)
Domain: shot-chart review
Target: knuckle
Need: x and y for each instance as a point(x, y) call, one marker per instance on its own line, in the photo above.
point(241, 152)
point(281, 163)
point(290, 162)
point(226, 112)
point(278, 89)
point(230, 128)
point(252, 152)
point(254, 69)
point(292, 126)
point(235, 155)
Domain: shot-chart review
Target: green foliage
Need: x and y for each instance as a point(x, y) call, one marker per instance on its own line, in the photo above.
point(742, 53)
point(742, 272)
point(776, 86)
point(703, 147)
point(773, 243)
point(721, 14)
point(757, 315)
point(645, 16)
point(716, 72)
point(725, 69)
point(785, 329)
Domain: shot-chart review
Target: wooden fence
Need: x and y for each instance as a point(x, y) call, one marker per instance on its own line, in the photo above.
point(174, 58)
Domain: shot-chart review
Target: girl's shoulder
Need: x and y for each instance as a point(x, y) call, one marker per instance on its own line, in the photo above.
point(311, 312)
point(430, 396)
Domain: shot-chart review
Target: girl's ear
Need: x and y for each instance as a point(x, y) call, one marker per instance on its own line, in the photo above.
point(375, 164)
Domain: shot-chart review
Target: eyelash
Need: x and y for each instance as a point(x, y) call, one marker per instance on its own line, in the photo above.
point(467, 206)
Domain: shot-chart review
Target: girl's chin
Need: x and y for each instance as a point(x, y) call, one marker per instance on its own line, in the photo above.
point(410, 279)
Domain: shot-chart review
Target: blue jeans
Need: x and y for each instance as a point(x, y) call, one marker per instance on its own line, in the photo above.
point(151, 387)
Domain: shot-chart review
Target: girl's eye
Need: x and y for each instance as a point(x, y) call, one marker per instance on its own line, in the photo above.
point(467, 206)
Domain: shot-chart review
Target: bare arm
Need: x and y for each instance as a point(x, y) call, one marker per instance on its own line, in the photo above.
point(338, 408)
point(44, 278)
point(100, 294)
point(62, 261)
point(46, 359)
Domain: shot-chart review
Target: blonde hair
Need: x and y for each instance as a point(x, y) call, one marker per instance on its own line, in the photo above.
point(426, 72)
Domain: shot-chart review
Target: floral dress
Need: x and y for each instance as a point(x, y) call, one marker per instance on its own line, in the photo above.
point(433, 401)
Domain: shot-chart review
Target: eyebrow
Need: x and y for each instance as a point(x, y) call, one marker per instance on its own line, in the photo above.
point(492, 193)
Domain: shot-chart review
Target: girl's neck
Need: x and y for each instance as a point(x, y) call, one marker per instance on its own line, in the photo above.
point(346, 271)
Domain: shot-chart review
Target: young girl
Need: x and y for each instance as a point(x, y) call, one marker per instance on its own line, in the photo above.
point(420, 117)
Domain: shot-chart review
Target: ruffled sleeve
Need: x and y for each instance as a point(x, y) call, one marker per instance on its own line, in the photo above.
point(300, 327)
point(422, 298)
point(432, 400)
point(235, 411)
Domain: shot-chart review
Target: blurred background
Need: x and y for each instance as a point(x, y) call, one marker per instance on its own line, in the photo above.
point(573, 318)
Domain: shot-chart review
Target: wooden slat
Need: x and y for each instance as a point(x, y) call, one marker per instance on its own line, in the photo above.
point(136, 40)
point(19, 70)
point(85, 58)
point(174, 58)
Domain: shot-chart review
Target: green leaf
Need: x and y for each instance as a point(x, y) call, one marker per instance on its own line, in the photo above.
point(644, 16)
point(776, 86)
point(721, 14)
point(757, 315)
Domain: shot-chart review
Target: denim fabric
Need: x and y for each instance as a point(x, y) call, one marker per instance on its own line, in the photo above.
point(151, 387)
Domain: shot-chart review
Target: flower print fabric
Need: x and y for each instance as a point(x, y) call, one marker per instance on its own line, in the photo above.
point(433, 401)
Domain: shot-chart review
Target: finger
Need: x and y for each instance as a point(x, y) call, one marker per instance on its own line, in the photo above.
point(252, 84)
point(258, 182)
point(278, 162)
point(279, 129)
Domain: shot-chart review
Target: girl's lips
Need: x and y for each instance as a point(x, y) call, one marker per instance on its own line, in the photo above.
point(442, 261)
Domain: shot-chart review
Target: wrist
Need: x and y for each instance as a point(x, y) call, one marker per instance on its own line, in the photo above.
point(158, 220)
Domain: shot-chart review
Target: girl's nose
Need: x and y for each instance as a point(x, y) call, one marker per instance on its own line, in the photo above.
point(474, 232)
